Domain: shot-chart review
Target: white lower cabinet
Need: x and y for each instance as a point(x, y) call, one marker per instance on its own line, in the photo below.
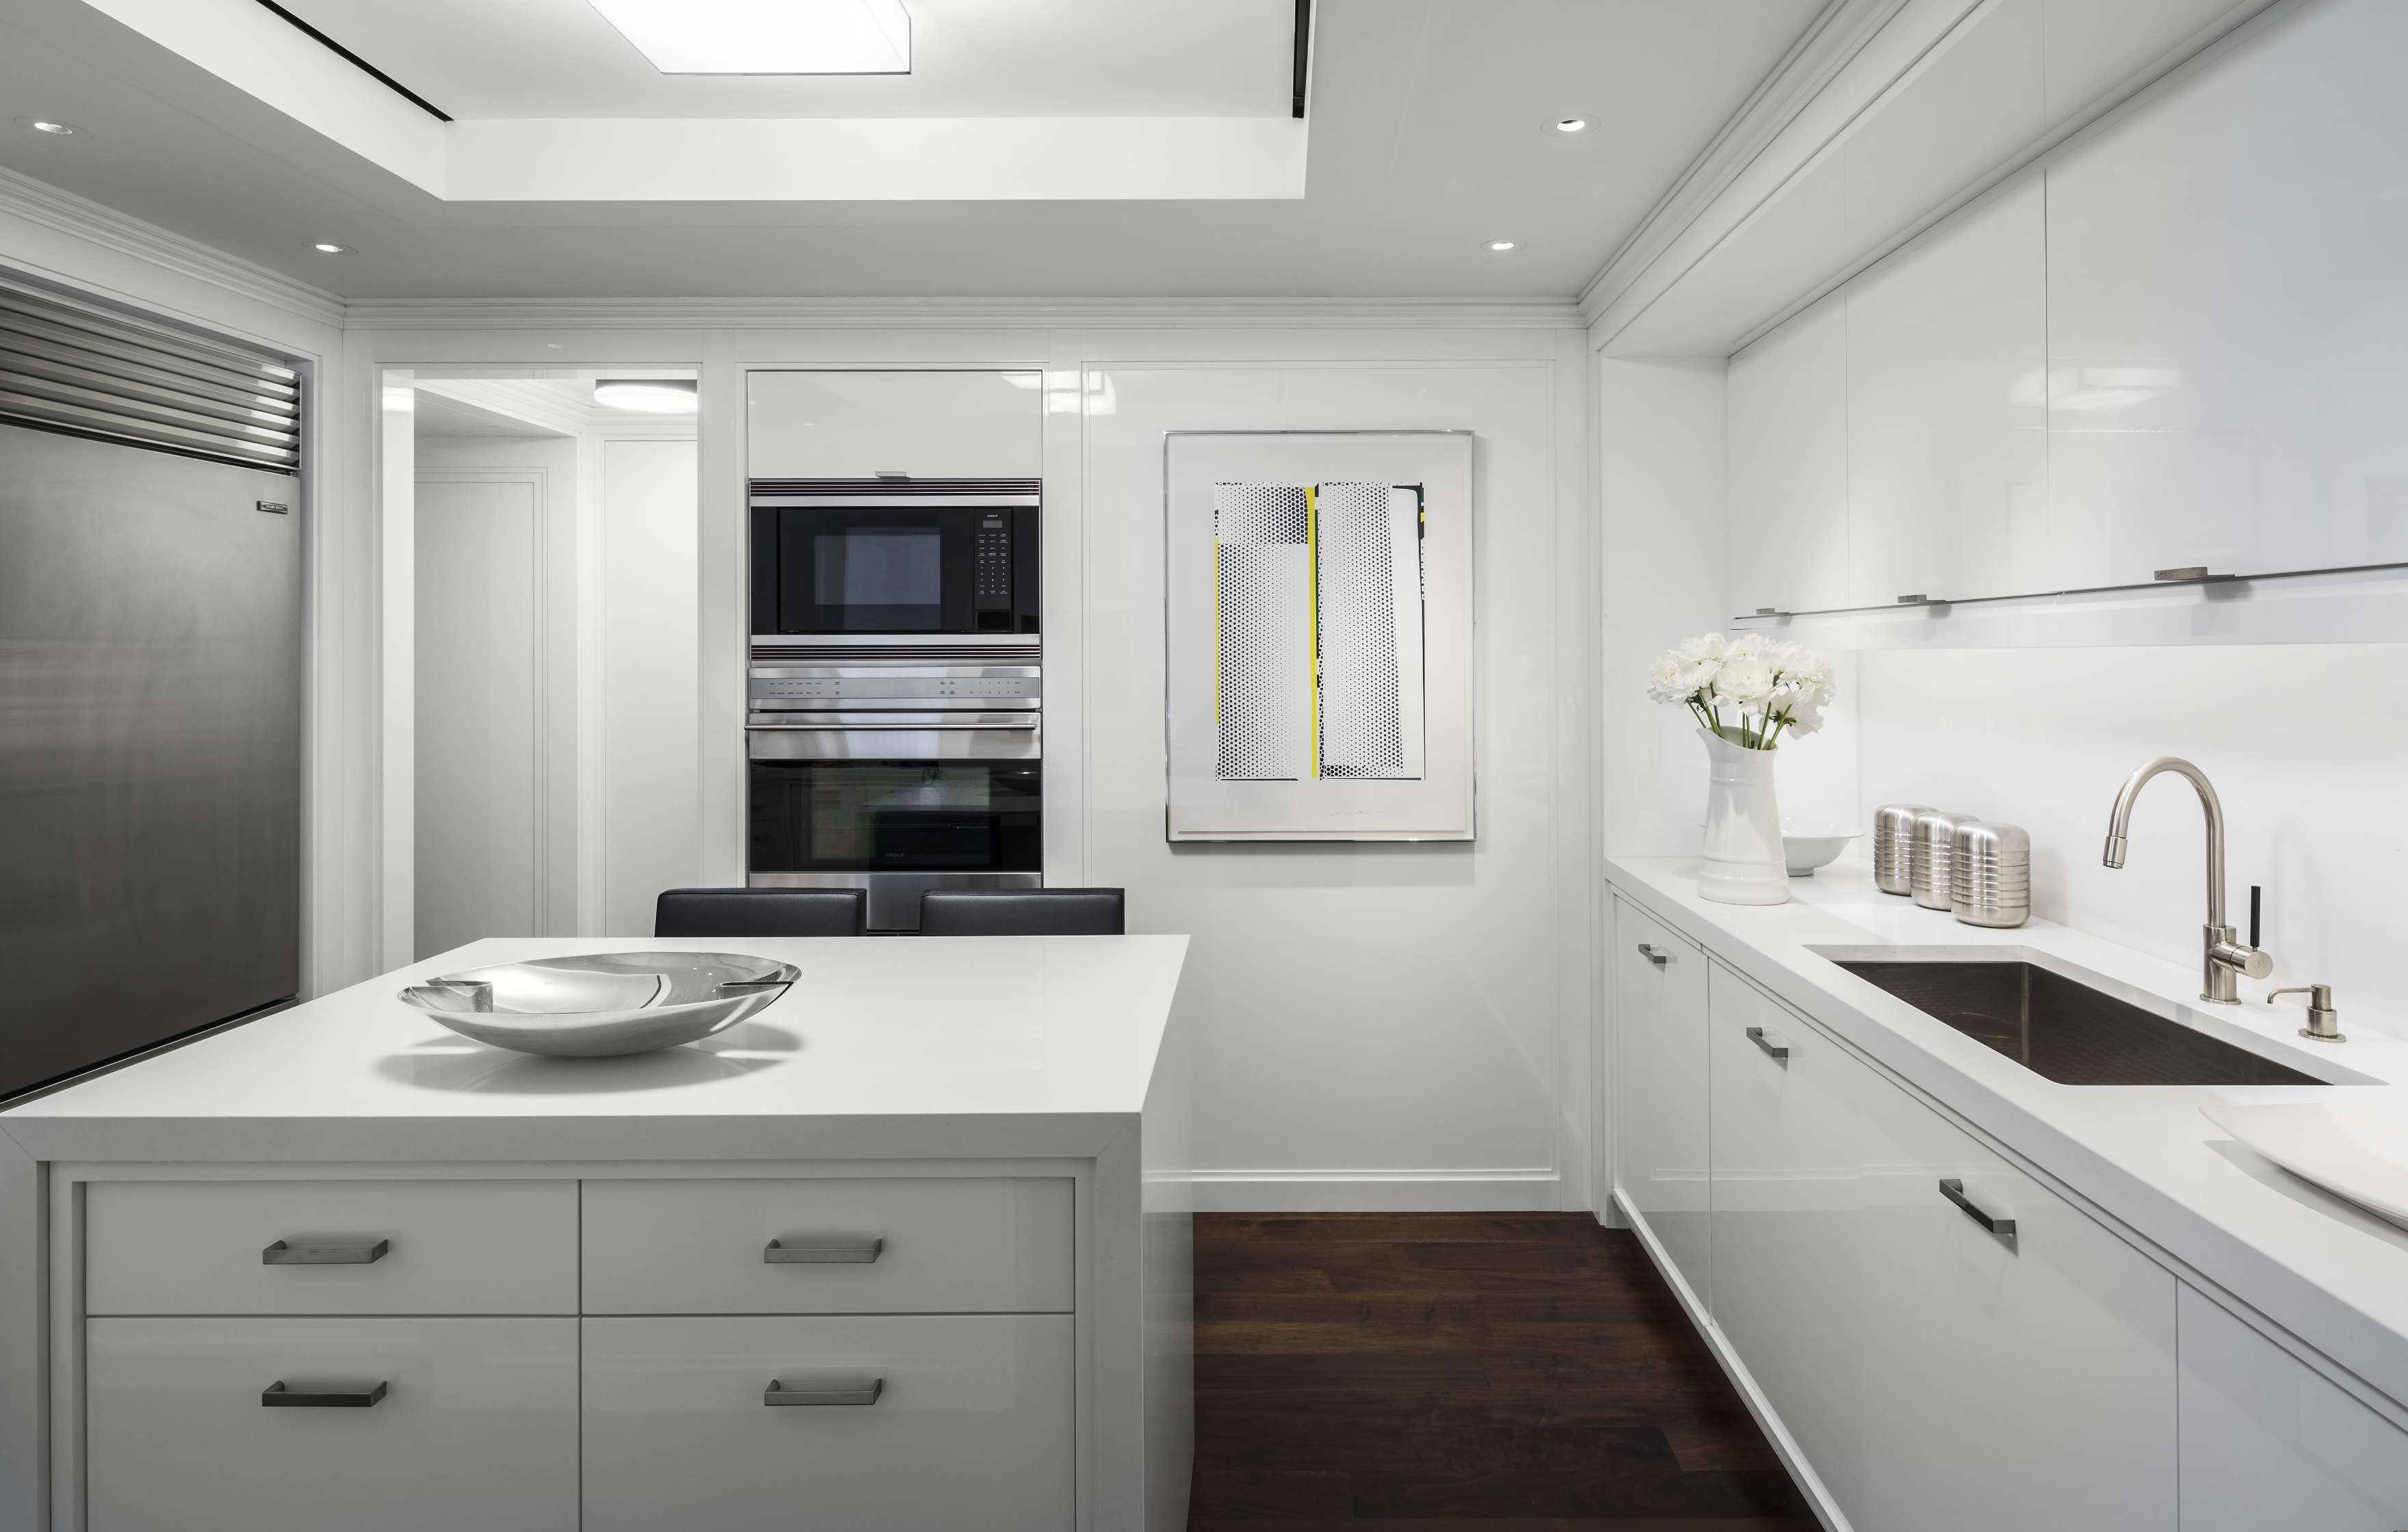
point(472, 1427)
point(1659, 993)
point(892, 1421)
point(2267, 1442)
point(1934, 1373)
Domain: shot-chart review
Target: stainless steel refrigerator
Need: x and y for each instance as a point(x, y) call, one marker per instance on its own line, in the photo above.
point(150, 703)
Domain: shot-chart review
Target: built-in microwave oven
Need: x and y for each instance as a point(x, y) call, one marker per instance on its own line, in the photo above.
point(896, 556)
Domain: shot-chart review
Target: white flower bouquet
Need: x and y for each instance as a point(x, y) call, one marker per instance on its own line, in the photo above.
point(1745, 690)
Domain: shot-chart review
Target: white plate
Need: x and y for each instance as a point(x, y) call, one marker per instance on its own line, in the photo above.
point(2356, 1150)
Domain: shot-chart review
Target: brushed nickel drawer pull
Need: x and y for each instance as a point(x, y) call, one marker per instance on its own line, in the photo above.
point(821, 1252)
point(2003, 1228)
point(828, 1391)
point(277, 1397)
point(1772, 1050)
point(325, 1252)
point(1654, 954)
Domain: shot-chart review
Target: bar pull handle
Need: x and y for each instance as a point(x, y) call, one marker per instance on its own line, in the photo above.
point(325, 1252)
point(824, 1391)
point(276, 1396)
point(1772, 1050)
point(840, 1252)
point(1653, 954)
point(2002, 1229)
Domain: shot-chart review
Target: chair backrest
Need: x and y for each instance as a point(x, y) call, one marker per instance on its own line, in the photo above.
point(1024, 912)
point(761, 913)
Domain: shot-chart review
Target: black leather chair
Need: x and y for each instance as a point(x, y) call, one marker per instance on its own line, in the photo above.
point(761, 913)
point(1024, 912)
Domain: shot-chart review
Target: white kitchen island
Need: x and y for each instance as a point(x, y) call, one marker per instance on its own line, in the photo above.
point(936, 1193)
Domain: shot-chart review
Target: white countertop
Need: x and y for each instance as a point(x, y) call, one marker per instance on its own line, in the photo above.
point(920, 1048)
point(2333, 1274)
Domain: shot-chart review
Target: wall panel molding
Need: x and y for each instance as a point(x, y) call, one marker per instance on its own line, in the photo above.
point(953, 313)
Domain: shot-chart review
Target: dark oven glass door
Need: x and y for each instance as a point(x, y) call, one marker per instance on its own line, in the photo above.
point(832, 569)
point(897, 816)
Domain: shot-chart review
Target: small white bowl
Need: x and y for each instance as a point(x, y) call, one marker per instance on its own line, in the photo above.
point(1807, 846)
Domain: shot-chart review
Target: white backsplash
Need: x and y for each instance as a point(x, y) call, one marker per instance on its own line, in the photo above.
point(2305, 745)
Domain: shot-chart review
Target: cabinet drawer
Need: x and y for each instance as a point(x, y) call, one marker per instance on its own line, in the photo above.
point(450, 1247)
point(971, 1427)
point(476, 1429)
point(968, 1245)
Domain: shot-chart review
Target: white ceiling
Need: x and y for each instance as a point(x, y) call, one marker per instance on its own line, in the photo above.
point(971, 58)
point(1426, 140)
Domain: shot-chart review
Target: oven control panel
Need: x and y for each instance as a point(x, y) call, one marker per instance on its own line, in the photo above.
point(990, 588)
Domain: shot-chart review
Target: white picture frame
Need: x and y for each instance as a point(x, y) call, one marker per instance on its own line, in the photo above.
point(1319, 636)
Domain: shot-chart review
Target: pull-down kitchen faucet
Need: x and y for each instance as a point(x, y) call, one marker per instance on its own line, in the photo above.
point(2224, 959)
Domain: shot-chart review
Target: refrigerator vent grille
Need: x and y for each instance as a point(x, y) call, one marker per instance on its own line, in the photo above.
point(77, 370)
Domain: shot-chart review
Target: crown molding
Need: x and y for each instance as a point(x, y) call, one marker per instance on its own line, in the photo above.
point(1836, 35)
point(836, 313)
point(80, 218)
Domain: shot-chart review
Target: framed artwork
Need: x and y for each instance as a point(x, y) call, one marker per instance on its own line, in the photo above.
point(1319, 640)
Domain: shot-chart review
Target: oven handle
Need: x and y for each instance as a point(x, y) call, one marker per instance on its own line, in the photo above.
point(922, 726)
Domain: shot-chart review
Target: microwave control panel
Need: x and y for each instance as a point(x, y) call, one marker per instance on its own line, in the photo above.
point(992, 587)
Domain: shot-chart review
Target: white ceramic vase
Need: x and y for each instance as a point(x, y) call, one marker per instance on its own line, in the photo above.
point(1743, 861)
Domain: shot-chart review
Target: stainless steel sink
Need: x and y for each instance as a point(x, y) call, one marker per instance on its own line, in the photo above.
point(2065, 1030)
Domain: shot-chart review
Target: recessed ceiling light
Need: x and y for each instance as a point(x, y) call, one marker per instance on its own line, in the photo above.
point(766, 36)
point(1569, 124)
point(652, 395)
point(327, 246)
point(1501, 246)
point(43, 124)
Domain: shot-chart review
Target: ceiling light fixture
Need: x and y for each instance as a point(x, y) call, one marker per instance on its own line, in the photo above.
point(1572, 124)
point(766, 36)
point(1499, 247)
point(652, 395)
point(43, 124)
point(327, 246)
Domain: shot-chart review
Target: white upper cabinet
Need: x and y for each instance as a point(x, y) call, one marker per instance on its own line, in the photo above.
point(2228, 305)
point(1968, 104)
point(925, 425)
point(1788, 420)
point(1947, 455)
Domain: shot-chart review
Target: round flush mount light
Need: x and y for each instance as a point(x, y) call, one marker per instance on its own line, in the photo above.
point(652, 395)
point(1568, 124)
point(1498, 247)
point(51, 128)
point(327, 246)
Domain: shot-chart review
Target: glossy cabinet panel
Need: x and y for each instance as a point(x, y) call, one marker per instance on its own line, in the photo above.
point(2228, 310)
point(972, 1426)
point(929, 424)
point(1966, 107)
point(2008, 1388)
point(452, 1247)
point(476, 1431)
point(1787, 424)
point(2267, 1442)
point(1933, 1375)
point(1946, 450)
point(1660, 1102)
point(945, 1245)
point(1787, 1283)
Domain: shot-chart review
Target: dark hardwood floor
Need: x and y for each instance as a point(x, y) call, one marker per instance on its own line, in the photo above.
point(1457, 1372)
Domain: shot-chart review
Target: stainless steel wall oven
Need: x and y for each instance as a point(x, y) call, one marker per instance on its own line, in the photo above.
point(894, 736)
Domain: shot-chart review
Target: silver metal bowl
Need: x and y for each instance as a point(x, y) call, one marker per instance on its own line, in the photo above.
point(595, 1005)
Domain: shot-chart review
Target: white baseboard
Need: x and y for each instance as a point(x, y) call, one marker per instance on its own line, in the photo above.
point(1378, 1191)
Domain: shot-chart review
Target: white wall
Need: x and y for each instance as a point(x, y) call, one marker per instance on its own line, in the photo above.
point(649, 788)
point(2301, 742)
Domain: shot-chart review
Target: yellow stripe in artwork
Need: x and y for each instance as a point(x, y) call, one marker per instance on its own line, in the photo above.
point(1312, 588)
point(1216, 633)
